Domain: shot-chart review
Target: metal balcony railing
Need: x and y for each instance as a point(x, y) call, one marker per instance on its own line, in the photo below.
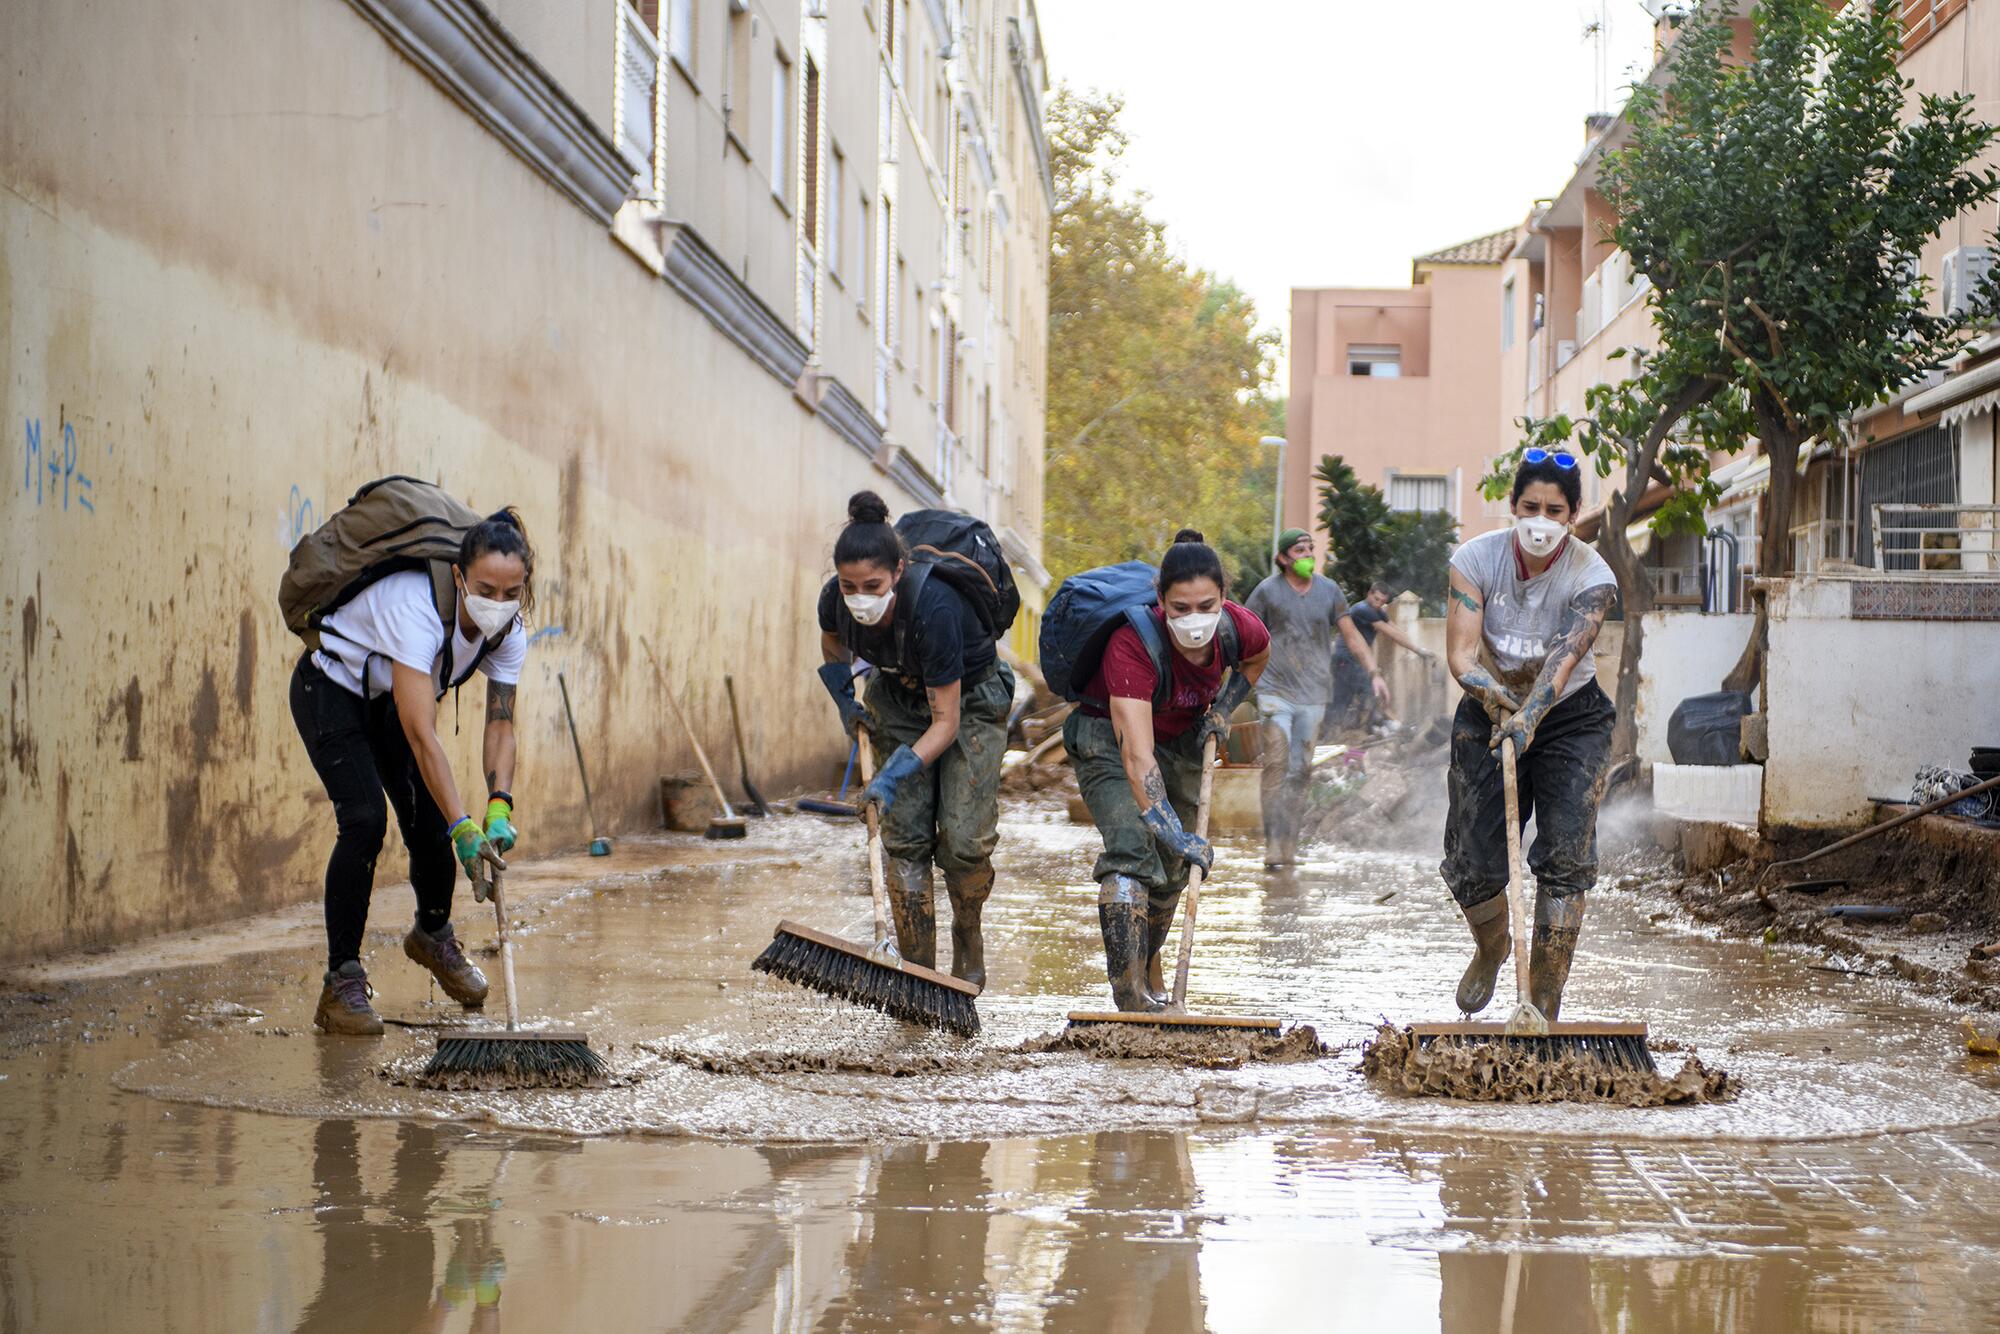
point(1937, 538)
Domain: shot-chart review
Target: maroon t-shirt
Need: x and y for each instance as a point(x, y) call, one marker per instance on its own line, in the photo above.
point(1127, 672)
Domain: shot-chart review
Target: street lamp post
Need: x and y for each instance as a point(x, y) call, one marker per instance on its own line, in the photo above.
point(1278, 490)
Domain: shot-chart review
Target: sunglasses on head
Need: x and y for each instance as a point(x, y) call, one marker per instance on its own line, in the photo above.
point(1562, 457)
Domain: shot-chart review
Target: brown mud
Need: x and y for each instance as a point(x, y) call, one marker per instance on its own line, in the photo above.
point(1494, 1072)
point(1207, 1049)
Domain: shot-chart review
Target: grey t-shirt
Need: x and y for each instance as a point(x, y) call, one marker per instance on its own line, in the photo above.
point(1301, 626)
point(1524, 615)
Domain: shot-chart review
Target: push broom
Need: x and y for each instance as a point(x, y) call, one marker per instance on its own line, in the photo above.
point(531, 1056)
point(1528, 1031)
point(1175, 1017)
point(728, 824)
point(875, 976)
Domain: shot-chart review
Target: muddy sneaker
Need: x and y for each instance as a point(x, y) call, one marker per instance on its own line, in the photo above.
point(448, 964)
point(344, 1010)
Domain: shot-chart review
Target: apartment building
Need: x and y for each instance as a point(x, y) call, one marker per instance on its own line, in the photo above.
point(1399, 382)
point(673, 278)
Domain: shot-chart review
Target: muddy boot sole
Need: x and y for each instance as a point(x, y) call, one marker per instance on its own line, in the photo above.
point(468, 989)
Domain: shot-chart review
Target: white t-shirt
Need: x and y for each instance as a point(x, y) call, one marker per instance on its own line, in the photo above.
point(394, 620)
point(1523, 616)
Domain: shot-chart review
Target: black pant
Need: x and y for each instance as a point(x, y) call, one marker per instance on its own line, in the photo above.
point(360, 753)
point(1561, 778)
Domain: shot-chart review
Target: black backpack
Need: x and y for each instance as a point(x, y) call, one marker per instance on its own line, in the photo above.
point(963, 552)
point(1090, 606)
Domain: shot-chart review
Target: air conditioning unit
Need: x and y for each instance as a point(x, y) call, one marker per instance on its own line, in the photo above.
point(1965, 269)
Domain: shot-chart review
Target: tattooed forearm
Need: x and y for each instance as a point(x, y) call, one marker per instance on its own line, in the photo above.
point(1155, 786)
point(1496, 698)
point(1465, 599)
point(1581, 622)
point(499, 702)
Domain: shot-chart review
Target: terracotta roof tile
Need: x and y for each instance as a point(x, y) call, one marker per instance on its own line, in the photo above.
point(1489, 249)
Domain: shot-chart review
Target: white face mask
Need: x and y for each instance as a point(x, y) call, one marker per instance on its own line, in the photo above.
point(1538, 535)
point(868, 610)
point(1194, 629)
point(492, 618)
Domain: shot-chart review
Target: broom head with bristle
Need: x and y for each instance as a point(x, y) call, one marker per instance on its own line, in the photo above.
point(732, 826)
point(875, 978)
point(1617, 1046)
point(523, 1056)
point(1168, 1022)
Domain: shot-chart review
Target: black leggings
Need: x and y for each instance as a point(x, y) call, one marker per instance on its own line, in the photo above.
point(360, 753)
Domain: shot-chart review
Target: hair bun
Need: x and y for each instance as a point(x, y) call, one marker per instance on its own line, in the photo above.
point(867, 507)
point(1189, 535)
point(509, 517)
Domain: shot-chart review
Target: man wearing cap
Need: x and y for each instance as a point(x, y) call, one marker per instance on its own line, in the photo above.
point(1302, 608)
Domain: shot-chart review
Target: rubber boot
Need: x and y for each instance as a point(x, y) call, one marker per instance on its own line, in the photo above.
point(1558, 923)
point(1492, 942)
point(969, 891)
point(911, 905)
point(1121, 915)
point(1159, 919)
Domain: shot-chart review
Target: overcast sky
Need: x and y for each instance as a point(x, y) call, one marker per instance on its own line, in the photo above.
point(1321, 143)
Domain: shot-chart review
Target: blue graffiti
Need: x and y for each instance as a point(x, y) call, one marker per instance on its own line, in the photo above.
point(54, 469)
point(299, 517)
point(546, 632)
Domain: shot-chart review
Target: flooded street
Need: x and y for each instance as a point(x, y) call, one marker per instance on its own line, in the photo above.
point(185, 1152)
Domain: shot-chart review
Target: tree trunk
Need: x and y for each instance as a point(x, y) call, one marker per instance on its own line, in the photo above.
point(1635, 594)
point(1774, 546)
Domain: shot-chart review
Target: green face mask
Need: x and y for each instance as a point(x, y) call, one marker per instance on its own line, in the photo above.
point(1303, 567)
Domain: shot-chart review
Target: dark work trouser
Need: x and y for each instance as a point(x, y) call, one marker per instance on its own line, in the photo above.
point(1129, 846)
point(358, 749)
point(1561, 778)
point(950, 813)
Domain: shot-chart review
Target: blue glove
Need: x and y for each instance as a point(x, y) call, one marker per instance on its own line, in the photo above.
point(881, 793)
point(838, 678)
point(1166, 826)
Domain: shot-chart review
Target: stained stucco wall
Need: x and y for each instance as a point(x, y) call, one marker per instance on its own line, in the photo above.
point(250, 258)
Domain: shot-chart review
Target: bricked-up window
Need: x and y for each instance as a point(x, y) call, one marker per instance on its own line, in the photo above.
point(1924, 19)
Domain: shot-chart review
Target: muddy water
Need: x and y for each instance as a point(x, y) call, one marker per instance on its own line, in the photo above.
point(752, 1169)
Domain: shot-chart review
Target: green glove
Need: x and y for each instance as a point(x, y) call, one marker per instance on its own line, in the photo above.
point(500, 831)
point(478, 856)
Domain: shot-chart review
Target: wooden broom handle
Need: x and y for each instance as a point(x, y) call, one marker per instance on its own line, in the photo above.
point(1517, 909)
point(877, 877)
point(667, 688)
point(1195, 877)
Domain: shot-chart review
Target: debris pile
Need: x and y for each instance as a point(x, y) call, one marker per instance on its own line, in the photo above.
point(1495, 1072)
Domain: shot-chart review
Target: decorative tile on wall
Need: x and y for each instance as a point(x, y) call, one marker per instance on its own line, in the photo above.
point(1926, 600)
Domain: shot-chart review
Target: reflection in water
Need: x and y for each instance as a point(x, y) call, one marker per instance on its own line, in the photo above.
point(1528, 1289)
point(919, 1262)
point(1112, 1281)
point(379, 1251)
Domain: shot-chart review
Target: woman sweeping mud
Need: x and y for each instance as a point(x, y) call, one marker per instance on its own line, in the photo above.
point(1139, 766)
point(936, 716)
point(366, 706)
point(1525, 608)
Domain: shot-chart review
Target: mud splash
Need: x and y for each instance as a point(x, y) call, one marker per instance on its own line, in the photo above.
point(1211, 1049)
point(1490, 1072)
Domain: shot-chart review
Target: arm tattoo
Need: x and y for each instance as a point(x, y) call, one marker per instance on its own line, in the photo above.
point(1465, 599)
point(1156, 787)
point(932, 695)
point(1581, 621)
point(499, 702)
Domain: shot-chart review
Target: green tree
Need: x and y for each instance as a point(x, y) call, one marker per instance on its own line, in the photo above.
point(1157, 372)
point(1777, 206)
point(1369, 543)
point(1355, 519)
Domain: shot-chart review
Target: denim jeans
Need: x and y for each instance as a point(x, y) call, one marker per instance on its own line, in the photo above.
point(1289, 731)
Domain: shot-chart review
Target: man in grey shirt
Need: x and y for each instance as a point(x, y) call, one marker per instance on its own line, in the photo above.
point(1301, 608)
